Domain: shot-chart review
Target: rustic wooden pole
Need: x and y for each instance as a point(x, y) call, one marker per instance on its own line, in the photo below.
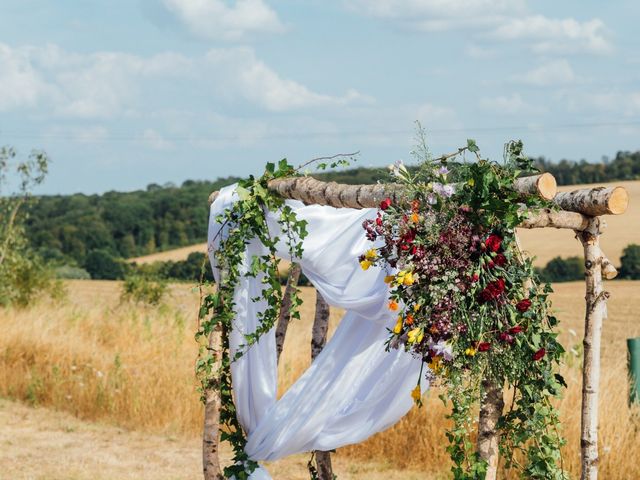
point(210, 436)
point(594, 201)
point(318, 340)
point(491, 406)
point(595, 312)
point(285, 308)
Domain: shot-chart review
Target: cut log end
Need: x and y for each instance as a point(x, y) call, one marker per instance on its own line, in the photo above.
point(547, 186)
point(618, 201)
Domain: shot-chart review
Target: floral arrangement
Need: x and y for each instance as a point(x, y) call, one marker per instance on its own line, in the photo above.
point(469, 305)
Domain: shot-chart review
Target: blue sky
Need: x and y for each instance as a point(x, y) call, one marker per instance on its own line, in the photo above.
point(125, 93)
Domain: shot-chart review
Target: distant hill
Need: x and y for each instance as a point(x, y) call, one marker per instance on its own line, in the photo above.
point(66, 228)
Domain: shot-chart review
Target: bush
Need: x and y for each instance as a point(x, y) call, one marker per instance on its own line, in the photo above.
point(563, 270)
point(102, 265)
point(630, 262)
point(68, 272)
point(142, 289)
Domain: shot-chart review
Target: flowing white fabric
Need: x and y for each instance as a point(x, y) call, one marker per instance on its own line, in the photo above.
point(354, 388)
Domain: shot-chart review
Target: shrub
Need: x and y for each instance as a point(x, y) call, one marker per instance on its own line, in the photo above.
point(142, 289)
point(68, 272)
point(102, 265)
point(630, 262)
point(563, 270)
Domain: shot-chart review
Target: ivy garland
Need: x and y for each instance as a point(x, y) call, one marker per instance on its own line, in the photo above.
point(469, 306)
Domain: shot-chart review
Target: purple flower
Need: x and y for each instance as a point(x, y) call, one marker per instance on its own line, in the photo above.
point(443, 170)
point(443, 190)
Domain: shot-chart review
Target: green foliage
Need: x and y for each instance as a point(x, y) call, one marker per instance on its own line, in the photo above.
point(625, 166)
point(102, 265)
point(630, 262)
point(245, 221)
point(145, 290)
point(69, 272)
point(24, 276)
point(193, 269)
point(563, 270)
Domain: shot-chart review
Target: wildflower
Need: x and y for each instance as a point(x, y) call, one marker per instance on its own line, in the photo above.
point(415, 336)
point(393, 305)
point(416, 394)
point(539, 354)
point(436, 364)
point(371, 254)
point(523, 305)
point(389, 278)
point(386, 203)
point(408, 279)
point(398, 327)
point(416, 307)
point(470, 352)
point(409, 319)
point(493, 242)
point(365, 264)
point(415, 218)
point(484, 346)
point(443, 170)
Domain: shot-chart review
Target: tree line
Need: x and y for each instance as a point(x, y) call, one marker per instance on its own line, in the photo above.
point(82, 232)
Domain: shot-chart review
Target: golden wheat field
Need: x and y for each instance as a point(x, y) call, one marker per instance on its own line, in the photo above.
point(123, 375)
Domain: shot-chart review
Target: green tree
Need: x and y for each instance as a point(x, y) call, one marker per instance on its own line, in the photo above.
point(630, 262)
point(102, 265)
point(563, 270)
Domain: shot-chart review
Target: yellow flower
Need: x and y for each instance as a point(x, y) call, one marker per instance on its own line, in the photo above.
point(416, 307)
point(365, 264)
point(371, 254)
point(415, 218)
point(471, 182)
point(408, 279)
point(416, 335)
point(416, 394)
point(393, 305)
point(398, 328)
point(436, 364)
point(389, 278)
point(470, 352)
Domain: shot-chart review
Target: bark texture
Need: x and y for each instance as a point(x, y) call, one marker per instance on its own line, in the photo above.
point(285, 308)
point(596, 299)
point(555, 218)
point(318, 340)
point(210, 438)
point(594, 201)
point(491, 405)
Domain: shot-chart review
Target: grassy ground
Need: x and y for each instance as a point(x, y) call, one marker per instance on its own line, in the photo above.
point(131, 367)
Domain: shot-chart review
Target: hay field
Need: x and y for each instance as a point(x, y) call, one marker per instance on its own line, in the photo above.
point(132, 367)
point(174, 255)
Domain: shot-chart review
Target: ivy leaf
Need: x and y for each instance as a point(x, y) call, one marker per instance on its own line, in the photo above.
point(243, 193)
point(471, 145)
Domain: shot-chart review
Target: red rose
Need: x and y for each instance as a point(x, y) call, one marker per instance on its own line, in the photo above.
point(484, 346)
point(523, 305)
point(475, 277)
point(491, 264)
point(539, 354)
point(516, 329)
point(379, 221)
point(505, 337)
point(493, 242)
point(386, 203)
point(500, 260)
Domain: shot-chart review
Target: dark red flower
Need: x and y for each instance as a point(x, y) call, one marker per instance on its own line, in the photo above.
point(492, 290)
point(539, 354)
point(484, 346)
point(516, 329)
point(523, 305)
point(379, 221)
point(491, 264)
point(475, 277)
point(500, 260)
point(506, 337)
point(493, 242)
point(386, 203)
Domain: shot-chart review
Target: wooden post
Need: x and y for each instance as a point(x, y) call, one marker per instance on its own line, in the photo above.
point(491, 405)
point(210, 437)
point(318, 340)
point(595, 312)
point(285, 308)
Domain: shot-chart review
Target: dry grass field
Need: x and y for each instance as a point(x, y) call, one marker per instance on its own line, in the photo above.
point(124, 376)
point(173, 255)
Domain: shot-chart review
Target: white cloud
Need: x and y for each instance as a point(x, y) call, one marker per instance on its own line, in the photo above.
point(20, 84)
point(553, 73)
point(509, 104)
point(244, 74)
point(155, 140)
point(550, 35)
point(435, 15)
point(216, 20)
point(437, 117)
point(616, 102)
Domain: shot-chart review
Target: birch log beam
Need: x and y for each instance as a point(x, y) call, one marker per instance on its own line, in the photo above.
point(595, 312)
point(491, 406)
point(594, 201)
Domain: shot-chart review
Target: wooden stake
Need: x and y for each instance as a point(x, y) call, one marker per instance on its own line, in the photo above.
point(285, 308)
point(318, 340)
point(491, 405)
point(210, 438)
point(595, 312)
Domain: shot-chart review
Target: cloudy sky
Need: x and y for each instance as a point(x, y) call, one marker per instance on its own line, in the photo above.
point(124, 93)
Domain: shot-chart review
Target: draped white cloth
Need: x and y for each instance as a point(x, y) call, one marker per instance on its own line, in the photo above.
point(354, 388)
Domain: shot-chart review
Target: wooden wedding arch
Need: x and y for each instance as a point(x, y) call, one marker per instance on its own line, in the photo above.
point(579, 210)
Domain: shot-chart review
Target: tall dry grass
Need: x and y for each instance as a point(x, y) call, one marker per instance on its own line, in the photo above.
point(133, 366)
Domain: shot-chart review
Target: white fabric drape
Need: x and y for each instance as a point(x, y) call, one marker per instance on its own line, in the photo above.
point(354, 388)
